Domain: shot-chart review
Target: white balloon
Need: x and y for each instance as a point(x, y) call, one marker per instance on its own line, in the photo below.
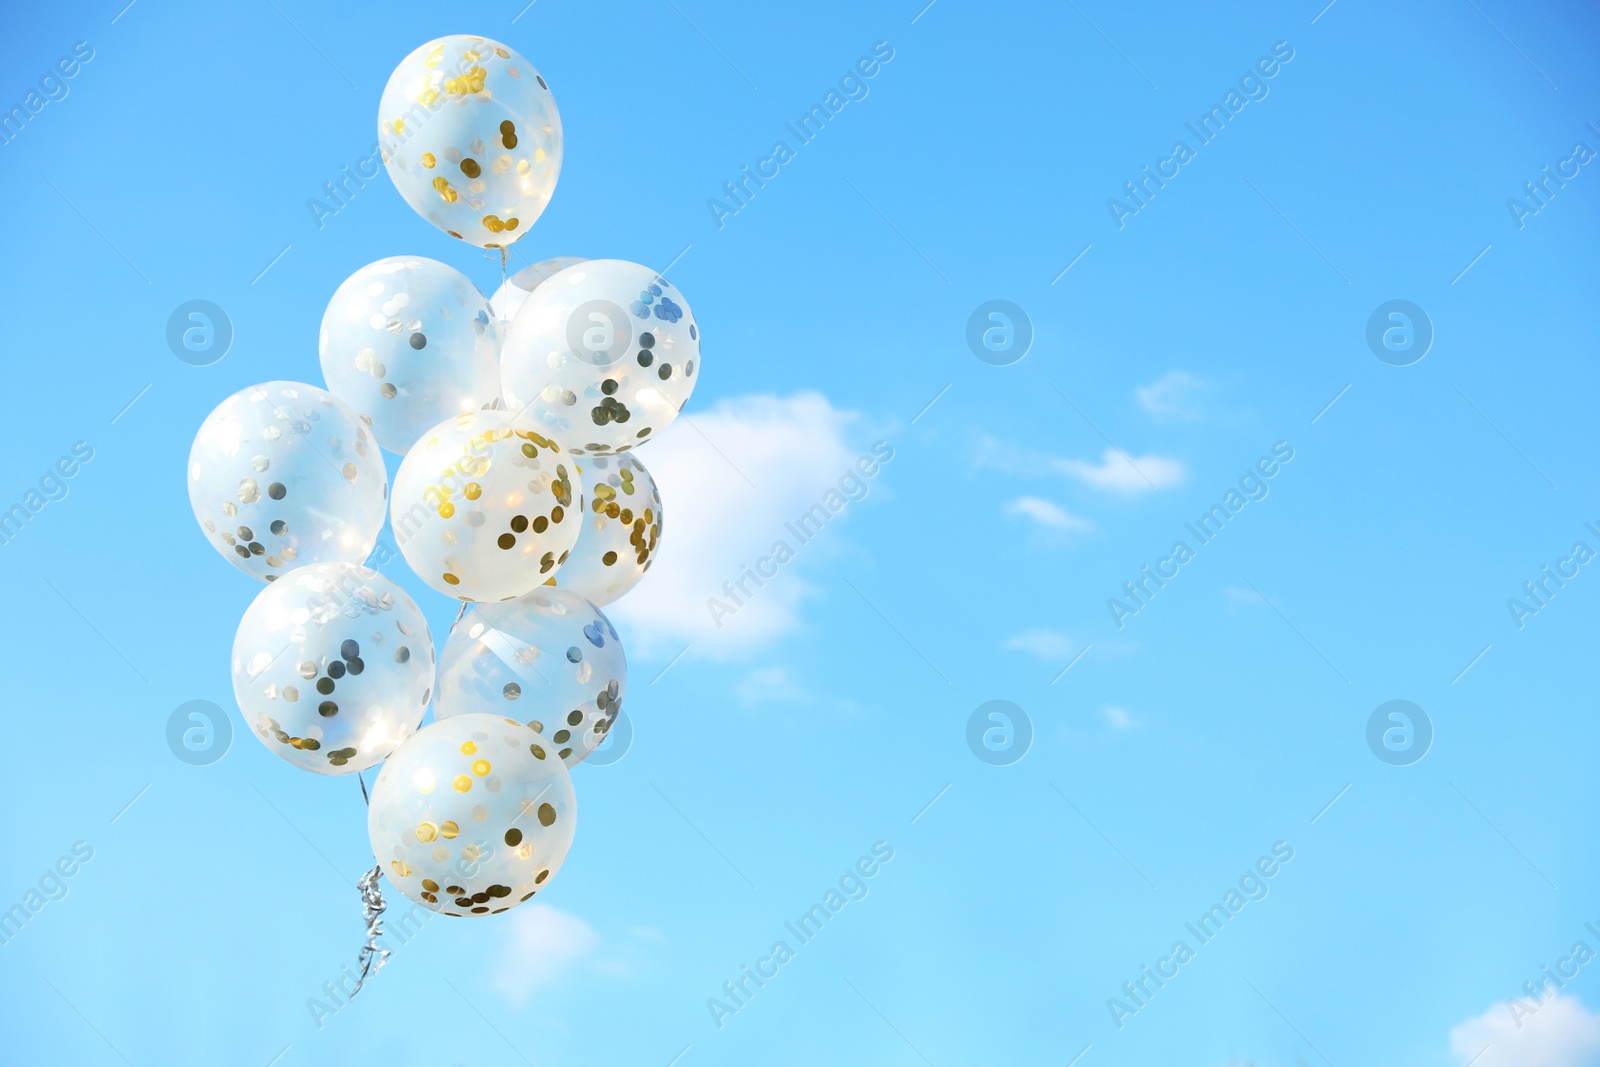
point(473, 815)
point(472, 138)
point(549, 658)
point(621, 530)
point(406, 342)
point(600, 357)
point(483, 510)
point(283, 474)
point(509, 298)
point(333, 667)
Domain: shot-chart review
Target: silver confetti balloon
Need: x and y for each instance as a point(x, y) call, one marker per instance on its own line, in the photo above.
point(600, 357)
point(333, 667)
point(283, 474)
point(408, 342)
point(550, 659)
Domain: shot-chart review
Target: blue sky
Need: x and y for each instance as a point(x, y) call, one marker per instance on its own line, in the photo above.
point(1227, 317)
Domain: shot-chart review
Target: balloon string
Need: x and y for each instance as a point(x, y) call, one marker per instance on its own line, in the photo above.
point(372, 957)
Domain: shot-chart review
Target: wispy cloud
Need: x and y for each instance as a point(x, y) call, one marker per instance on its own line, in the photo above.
point(1240, 597)
point(1118, 718)
point(1121, 473)
point(769, 685)
point(1560, 1033)
point(1176, 396)
point(542, 946)
point(1048, 515)
point(1047, 646)
point(1113, 473)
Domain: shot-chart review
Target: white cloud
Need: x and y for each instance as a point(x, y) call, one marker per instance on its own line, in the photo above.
point(1239, 597)
point(1046, 646)
point(769, 685)
point(1121, 473)
point(1118, 718)
point(543, 945)
point(731, 479)
point(1113, 472)
point(1048, 515)
point(1560, 1033)
point(1174, 397)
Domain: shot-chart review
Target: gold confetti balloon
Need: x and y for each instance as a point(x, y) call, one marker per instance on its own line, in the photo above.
point(471, 138)
point(407, 341)
point(601, 356)
point(513, 292)
point(621, 530)
point(550, 659)
point(473, 815)
point(333, 667)
point(283, 474)
point(484, 510)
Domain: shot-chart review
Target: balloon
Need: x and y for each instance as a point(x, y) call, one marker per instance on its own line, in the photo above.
point(483, 510)
point(472, 815)
point(333, 667)
point(471, 137)
point(600, 357)
point(514, 290)
point(283, 474)
point(408, 341)
point(549, 658)
point(621, 530)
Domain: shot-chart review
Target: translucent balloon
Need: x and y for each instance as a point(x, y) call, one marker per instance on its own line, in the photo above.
point(333, 667)
point(483, 510)
point(600, 357)
point(549, 658)
point(509, 298)
point(283, 474)
point(472, 139)
point(406, 342)
point(473, 815)
point(620, 533)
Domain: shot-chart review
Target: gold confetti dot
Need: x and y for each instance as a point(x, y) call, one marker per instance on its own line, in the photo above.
point(428, 160)
point(547, 815)
point(463, 783)
point(427, 832)
point(468, 747)
point(448, 830)
point(480, 767)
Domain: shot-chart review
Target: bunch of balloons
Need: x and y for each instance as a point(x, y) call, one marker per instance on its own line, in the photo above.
point(518, 494)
